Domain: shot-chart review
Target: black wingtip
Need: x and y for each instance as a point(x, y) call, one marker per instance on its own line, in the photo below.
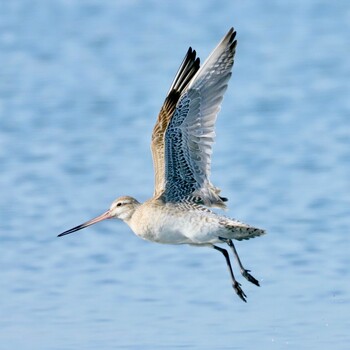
point(197, 62)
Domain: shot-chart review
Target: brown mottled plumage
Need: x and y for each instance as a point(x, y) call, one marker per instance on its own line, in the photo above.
point(181, 146)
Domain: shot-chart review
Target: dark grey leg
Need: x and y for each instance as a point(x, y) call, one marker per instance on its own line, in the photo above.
point(236, 286)
point(245, 273)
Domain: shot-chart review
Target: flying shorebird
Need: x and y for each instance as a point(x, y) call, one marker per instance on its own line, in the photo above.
point(181, 146)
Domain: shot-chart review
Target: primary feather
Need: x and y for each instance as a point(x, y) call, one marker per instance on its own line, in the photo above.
point(189, 135)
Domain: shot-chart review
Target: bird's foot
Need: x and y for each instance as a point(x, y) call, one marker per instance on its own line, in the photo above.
point(249, 277)
point(239, 291)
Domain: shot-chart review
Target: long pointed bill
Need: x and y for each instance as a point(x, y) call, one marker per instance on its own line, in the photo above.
point(104, 216)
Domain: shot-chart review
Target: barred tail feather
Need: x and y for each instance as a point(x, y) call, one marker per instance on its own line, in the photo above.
point(239, 231)
point(247, 233)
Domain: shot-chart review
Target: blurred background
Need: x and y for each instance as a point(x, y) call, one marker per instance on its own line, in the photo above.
point(81, 84)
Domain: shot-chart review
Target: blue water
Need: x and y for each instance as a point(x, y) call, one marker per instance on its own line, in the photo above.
point(81, 83)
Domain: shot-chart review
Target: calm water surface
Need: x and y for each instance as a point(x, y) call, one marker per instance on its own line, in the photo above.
point(81, 84)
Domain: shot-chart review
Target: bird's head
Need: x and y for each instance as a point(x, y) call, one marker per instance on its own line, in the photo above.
point(122, 208)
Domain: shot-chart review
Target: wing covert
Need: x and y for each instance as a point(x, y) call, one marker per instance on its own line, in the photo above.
point(190, 133)
point(187, 70)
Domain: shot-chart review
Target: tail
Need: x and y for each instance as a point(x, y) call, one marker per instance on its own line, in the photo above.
point(240, 231)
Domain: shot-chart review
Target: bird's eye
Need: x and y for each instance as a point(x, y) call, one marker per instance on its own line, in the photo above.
point(119, 204)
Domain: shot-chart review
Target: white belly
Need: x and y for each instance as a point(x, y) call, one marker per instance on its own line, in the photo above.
point(174, 226)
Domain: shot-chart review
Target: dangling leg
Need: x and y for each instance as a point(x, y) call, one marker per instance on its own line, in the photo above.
point(245, 273)
point(236, 286)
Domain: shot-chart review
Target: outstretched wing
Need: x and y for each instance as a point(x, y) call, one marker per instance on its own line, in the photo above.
point(186, 72)
point(190, 134)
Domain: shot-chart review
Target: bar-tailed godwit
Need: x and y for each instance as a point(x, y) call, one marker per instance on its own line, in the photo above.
point(181, 146)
